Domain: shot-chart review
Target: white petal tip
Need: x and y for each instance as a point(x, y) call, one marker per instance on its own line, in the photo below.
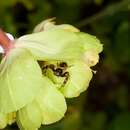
point(1, 49)
point(10, 36)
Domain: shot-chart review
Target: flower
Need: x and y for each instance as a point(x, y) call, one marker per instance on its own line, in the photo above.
point(35, 92)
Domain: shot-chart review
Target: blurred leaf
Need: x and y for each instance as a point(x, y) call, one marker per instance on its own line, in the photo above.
point(121, 122)
point(72, 122)
point(96, 121)
point(121, 47)
point(122, 97)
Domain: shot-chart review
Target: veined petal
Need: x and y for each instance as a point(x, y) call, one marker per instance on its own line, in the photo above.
point(53, 45)
point(20, 79)
point(29, 117)
point(49, 24)
point(48, 107)
point(59, 44)
point(52, 103)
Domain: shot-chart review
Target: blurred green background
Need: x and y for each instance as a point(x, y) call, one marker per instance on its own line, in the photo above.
point(105, 105)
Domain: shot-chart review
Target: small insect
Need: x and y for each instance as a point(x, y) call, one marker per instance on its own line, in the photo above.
point(66, 75)
point(61, 73)
point(59, 70)
point(45, 67)
point(63, 65)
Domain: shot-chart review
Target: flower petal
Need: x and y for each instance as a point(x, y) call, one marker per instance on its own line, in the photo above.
point(53, 45)
point(52, 103)
point(3, 121)
point(47, 108)
point(50, 24)
point(90, 42)
point(20, 79)
point(6, 119)
point(79, 77)
point(29, 117)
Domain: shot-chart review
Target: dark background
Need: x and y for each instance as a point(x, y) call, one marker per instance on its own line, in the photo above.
point(105, 105)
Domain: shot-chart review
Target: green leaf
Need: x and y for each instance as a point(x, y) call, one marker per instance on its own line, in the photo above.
point(120, 122)
point(20, 79)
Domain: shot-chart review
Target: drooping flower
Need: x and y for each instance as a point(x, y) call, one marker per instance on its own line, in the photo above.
point(35, 93)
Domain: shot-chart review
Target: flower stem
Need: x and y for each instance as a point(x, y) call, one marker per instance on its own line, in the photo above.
point(5, 42)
